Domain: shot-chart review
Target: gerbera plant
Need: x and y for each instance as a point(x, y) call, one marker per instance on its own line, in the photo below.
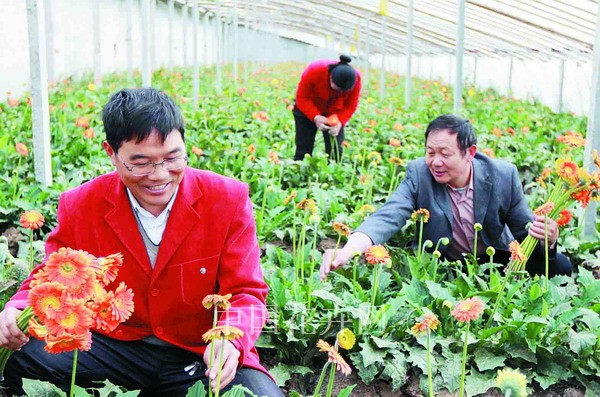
point(427, 323)
point(344, 339)
point(465, 312)
point(31, 220)
point(218, 332)
point(68, 299)
point(378, 256)
point(421, 216)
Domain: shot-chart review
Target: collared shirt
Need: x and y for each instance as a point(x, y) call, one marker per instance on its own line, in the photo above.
point(152, 226)
point(463, 214)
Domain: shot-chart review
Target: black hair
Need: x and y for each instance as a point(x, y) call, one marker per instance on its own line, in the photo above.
point(461, 127)
point(135, 113)
point(342, 74)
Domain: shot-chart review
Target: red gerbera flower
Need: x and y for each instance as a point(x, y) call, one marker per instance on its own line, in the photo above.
point(69, 267)
point(32, 220)
point(377, 254)
point(468, 310)
point(564, 218)
point(67, 343)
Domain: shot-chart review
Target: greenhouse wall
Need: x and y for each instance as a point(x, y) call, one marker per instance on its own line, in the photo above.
point(70, 34)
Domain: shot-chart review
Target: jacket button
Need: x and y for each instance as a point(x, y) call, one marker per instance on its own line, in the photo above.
point(159, 330)
point(202, 270)
point(155, 292)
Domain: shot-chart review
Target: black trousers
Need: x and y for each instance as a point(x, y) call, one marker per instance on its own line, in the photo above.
point(306, 131)
point(158, 371)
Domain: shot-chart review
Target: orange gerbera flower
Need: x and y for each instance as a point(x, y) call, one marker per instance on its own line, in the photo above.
point(488, 152)
point(36, 329)
point(334, 357)
point(106, 268)
point(420, 215)
point(82, 122)
point(69, 267)
point(396, 161)
point(67, 343)
point(197, 151)
point(121, 302)
point(74, 318)
point(596, 157)
point(274, 157)
point(103, 314)
point(366, 209)
point(221, 301)
point(89, 133)
point(46, 299)
point(375, 157)
point(582, 196)
point(567, 170)
point(468, 310)
point(428, 321)
point(573, 139)
point(290, 197)
point(544, 209)
point(22, 149)
point(307, 204)
point(564, 218)
point(228, 332)
point(341, 228)
point(378, 254)
point(516, 252)
point(32, 220)
point(395, 142)
point(345, 144)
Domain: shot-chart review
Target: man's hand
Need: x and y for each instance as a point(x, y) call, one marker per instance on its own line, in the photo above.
point(321, 123)
point(11, 337)
point(536, 229)
point(335, 129)
point(231, 356)
point(331, 262)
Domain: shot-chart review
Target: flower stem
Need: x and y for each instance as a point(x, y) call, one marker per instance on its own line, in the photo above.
point(499, 296)
point(420, 240)
point(464, 363)
point(546, 249)
point(429, 374)
point(73, 372)
point(321, 378)
point(374, 289)
point(30, 249)
point(220, 367)
point(330, 382)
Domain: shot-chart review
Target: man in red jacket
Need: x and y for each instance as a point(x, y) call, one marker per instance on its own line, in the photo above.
point(326, 98)
point(184, 234)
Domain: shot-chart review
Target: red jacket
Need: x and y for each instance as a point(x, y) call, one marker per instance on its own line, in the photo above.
point(314, 91)
point(209, 246)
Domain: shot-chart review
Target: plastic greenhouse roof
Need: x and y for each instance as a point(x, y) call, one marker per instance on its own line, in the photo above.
point(541, 29)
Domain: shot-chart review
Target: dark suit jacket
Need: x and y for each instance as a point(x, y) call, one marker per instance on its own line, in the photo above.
point(209, 246)
point(499, 205)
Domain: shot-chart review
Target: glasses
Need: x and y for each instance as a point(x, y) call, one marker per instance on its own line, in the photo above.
point(173, 164)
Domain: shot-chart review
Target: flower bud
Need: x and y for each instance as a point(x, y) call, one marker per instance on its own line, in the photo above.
point(445, 241)
point(491, 251)
point(477, 227)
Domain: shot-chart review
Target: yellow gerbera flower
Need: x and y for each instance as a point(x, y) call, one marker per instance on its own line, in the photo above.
point(513, 380)
point(228, 332)
point(346, 339)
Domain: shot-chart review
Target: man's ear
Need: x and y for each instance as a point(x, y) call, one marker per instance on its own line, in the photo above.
point(110, 152)
point(472, 150)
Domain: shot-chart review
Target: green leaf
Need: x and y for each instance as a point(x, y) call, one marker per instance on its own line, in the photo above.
point(486, 360)
point(80, 392)
point(328, 296)
point(282, 372)
point(37, 388)
point(418, 358)
point(197, 390)
point(370, 355)
point(450, 371)
point(438, 292)
point(345, 392)
point(395, 370)
point(384, 343)
point(239, 391)
point(478, 383)
point(581, 341)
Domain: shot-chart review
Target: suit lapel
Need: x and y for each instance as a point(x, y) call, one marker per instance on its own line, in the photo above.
point(442, 199)
point(482, 188)
point(182, 219)
point(123, 224)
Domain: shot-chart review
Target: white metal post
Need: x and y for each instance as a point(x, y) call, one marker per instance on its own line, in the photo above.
point(49, 26)
point(409, 51)
point(129, 37)
point(40, 115)
point(459, 52)
point(383, 53)
point(561, 85)
point(219, 48)
point(590, 219)
point(184, 24)
point(236, 38)
point(171, 8)
point(97, 44)
point(195, 61)
point(145, 27)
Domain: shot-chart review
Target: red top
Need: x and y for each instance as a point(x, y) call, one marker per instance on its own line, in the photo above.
point(315, 96)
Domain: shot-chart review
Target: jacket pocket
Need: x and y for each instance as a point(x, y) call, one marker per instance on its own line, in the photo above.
point(198, 278)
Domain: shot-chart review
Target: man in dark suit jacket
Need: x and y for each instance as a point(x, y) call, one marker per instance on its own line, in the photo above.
point(184, 234)
point(459, 187)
